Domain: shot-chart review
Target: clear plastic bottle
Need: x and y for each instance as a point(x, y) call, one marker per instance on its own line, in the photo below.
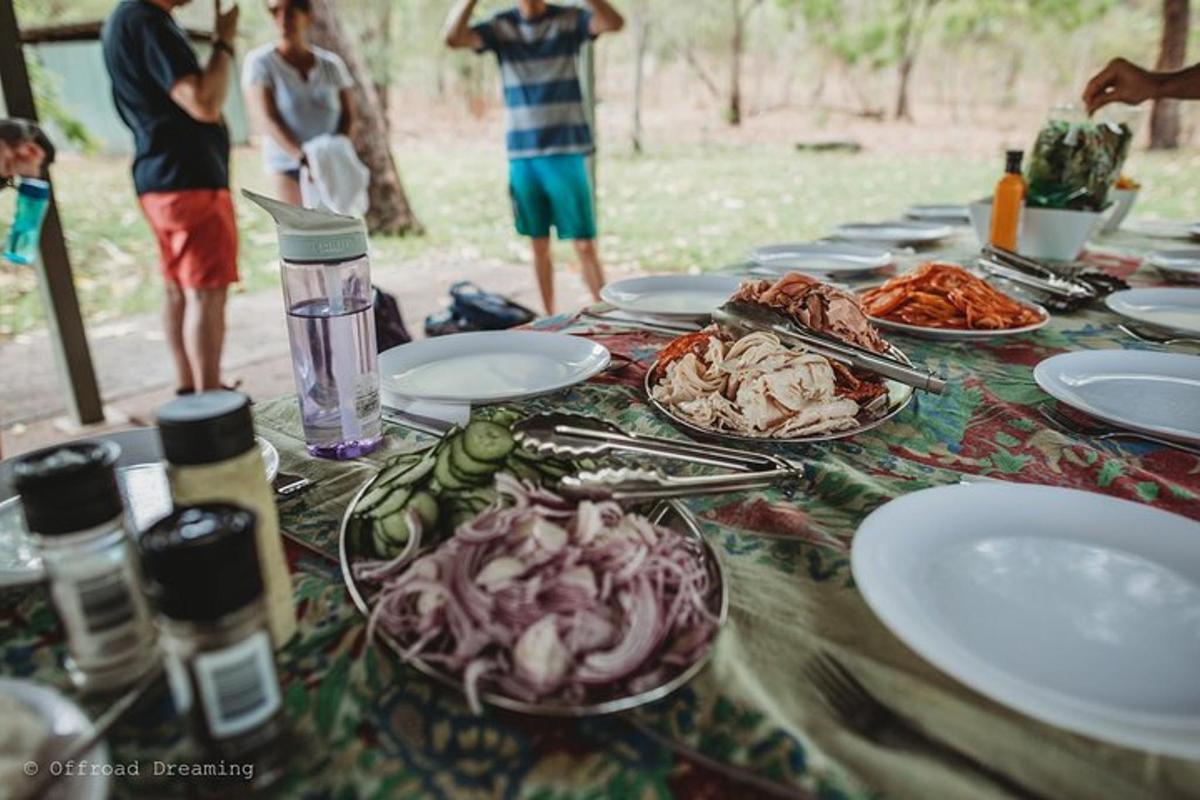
point(331, 327)
point(73, 509)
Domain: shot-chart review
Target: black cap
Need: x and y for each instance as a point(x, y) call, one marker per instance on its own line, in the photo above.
point(201, 562)
point(1012, 161)
point(69, 488)
point(206, 428)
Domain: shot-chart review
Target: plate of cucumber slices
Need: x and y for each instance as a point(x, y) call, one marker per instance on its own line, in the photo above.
point(444, 485)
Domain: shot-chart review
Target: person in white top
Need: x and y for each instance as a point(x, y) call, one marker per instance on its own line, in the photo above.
point(296, 92)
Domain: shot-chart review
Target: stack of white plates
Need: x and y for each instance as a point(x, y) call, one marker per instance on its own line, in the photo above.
point(1169, 309)
point(901, 232)
point(672, 298)
point(1182, 266)
point(1075, 608)
point(833, 259)
point(948, 213)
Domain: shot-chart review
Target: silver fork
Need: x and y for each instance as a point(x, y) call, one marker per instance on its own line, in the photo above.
point(1164, 338)
point(1099, 432)
point(861, 712)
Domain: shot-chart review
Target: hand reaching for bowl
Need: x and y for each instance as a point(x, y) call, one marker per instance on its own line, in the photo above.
point(1122, 81)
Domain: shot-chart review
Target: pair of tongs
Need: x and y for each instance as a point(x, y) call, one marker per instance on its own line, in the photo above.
point(1025, 271)
point(576, 435)
point(746, 316)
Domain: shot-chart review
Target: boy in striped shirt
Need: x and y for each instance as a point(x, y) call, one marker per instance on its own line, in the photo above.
point(537, 45)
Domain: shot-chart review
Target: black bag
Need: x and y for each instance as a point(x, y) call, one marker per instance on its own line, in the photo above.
point(389, 323)
point(473, 309)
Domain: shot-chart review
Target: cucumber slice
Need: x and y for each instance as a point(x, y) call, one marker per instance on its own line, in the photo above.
point(395, 529)
point(507, 416)
point(374, 496)
point(523, 469)
point(383, 547)
point(442, 474)
point(487, 441)
point(394, 503)
point(426, 507)
point(464, 464)
point(409, 472)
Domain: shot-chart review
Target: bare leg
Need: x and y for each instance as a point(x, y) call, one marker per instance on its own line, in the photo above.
point(287, 189)
point(543, 267)
point(589, 261)
point(204, 335)
point(172, 316)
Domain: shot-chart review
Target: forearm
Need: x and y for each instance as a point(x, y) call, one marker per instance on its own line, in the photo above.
point(605, 18)
point(213, 85)
point(1182, 84)
point(349, 118)
point(458, 23)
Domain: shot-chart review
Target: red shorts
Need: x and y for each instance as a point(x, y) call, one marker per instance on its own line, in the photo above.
point(197, 236)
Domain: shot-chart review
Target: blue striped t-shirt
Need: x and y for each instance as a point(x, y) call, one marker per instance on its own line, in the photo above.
point(539, 70)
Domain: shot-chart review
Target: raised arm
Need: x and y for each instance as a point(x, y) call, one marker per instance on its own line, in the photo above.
point(349, 119)
point(605, 18)
point(1125, 82)
point(202, 95)
point(457, 33)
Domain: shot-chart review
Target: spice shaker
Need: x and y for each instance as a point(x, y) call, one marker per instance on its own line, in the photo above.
point(202, 575)
point(73, 509)
point(212, 457)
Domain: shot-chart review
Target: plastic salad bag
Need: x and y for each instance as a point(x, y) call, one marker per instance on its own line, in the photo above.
point(1075, 162)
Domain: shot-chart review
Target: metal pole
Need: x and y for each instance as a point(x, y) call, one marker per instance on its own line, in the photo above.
point(587, 63)
point(67, 333)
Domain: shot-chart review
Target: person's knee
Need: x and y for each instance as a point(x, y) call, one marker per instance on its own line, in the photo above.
point(541, 247)
point(585, 247)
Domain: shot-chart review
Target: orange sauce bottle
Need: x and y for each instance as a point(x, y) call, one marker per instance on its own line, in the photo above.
point(1007, 203)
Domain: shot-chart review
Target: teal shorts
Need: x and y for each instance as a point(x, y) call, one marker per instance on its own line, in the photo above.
point(552, 190)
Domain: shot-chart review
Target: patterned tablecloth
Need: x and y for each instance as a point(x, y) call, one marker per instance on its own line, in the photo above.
point(750, 724)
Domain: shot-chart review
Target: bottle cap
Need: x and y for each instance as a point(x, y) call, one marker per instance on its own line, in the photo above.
point(1012, 160)
point(313, 237)
point(69, 488)
point(34, 188)
point(206, 428)
point(201, 562)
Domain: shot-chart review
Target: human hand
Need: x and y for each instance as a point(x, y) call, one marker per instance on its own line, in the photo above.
point(226, 23)
point(1120, 82)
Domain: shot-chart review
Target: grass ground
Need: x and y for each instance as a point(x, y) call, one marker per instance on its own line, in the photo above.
point(687, 207)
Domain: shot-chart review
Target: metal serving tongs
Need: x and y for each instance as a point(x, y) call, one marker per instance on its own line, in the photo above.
point(741, 315)
point(575, 435)
point(1027, 272)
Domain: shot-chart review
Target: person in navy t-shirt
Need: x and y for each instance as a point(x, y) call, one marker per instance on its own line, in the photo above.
point(537, 45)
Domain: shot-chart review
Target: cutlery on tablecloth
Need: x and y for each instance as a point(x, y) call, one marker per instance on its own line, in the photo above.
point(288, 485)
point(634, 484)
point(430, 426)
point(630, 323)
point(1156, 337)
point(752, 316)
point(860, 711)
point(1092, 430)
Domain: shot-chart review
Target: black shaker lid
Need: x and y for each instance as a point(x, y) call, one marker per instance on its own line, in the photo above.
point(201, 562)
point(69, 488)
point(206, 428)
point(1012, 161)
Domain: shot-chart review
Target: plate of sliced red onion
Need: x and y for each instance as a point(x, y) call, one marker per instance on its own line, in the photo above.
point(545, 606)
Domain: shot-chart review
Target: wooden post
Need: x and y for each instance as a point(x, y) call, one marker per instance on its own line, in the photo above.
point(67, 333)
point(587, 65)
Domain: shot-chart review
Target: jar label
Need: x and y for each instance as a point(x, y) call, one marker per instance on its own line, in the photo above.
point(103, 613)
point(238, 686)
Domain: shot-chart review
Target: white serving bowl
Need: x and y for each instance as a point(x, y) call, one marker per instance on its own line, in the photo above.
point(1122, 203)
point(1054, 234)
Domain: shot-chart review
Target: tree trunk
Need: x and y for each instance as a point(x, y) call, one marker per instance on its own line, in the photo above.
point(641, 45)
point(905, 70)
point(733, 113)
point(389, 211)
point(383, 81)
point(1164, 117)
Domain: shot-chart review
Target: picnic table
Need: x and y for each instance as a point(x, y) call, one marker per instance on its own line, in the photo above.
point(750, 724)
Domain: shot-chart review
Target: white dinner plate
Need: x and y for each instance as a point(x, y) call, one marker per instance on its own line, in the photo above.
point(955, 214)
point(1078, 609)
point(1182, 265)
point(1139, 390)
point(1173, 309)
point(898, 232)
point(144, 490)
point(64, 721)
point(487, 367)
point(1161, 228)
point(671, 296)
point(820, 258)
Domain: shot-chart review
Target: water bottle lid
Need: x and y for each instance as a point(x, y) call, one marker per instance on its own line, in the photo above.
point(316, 237)
point(206, 428)
point(68, 488)
point(201, 562)
point(34, 188)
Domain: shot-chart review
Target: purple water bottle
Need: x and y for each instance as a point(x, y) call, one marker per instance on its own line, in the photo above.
point(331, 327)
